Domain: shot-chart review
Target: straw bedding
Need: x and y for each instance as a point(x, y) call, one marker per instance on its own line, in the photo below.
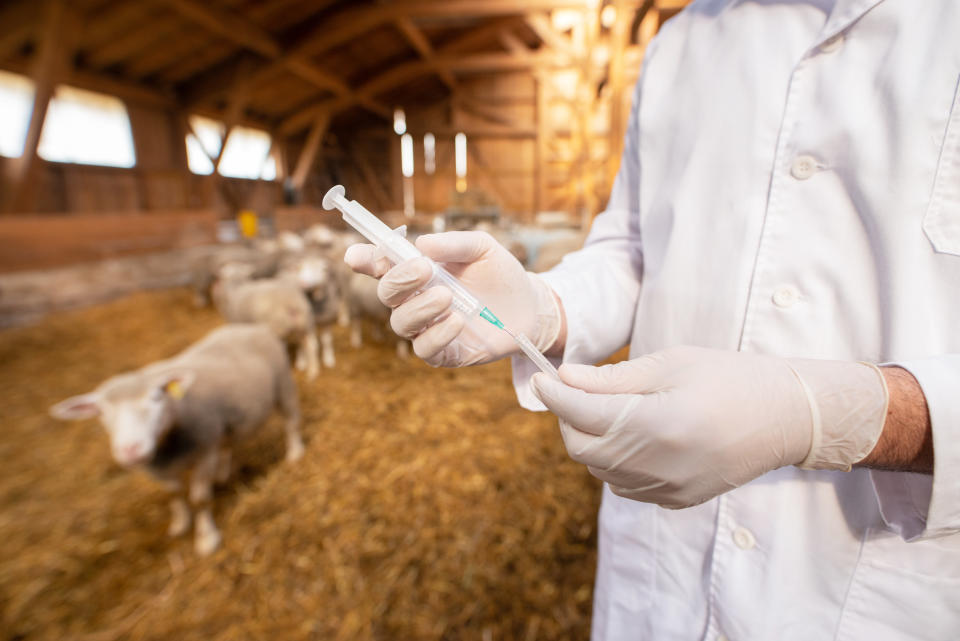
point(428, 505)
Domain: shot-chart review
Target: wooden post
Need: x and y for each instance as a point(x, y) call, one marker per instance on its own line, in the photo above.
point(309, 152)
point(618, 43)
point(541, 150)
point(50, 65)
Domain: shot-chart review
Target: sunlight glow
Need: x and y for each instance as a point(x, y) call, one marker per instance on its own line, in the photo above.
point(87, 128)
point(16, 104)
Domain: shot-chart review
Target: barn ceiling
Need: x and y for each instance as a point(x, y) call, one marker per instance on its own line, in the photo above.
point(282, 64)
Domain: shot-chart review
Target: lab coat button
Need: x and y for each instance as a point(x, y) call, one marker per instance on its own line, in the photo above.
point(722, 637)
point(803, 167)
point(786, 296)
point(744, 538)
point(831, 45)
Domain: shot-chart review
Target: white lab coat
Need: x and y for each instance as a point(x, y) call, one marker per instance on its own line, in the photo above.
point(790, 185)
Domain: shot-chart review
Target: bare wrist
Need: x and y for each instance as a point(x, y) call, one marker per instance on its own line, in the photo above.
point(906, 442)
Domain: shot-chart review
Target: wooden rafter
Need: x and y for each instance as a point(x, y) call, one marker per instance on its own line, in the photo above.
point(540, 24)
point(418, 41)
point(18, 24)
point(309, 152)
point(246, 34)
point(394, 76)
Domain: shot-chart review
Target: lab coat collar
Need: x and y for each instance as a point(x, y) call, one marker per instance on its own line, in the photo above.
point(844, 14)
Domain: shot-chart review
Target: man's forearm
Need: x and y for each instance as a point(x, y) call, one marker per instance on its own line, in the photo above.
point(906, 443)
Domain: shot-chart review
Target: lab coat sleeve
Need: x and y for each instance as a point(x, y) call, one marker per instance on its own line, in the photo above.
point(599, 284)
point(920, 506)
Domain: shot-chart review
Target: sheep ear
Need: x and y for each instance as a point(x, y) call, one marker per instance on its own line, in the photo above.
point(175, 384)
point(77, 408)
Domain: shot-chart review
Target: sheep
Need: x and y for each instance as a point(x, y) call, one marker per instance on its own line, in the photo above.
point(363, 303)
point(279, 304)
point(178, 418)
point(333, 245)
point(263, 258)
point(314, 274)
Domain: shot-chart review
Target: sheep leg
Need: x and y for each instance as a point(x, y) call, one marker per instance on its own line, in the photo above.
point(300, 361)
point(223, 464)
point(356, 333)
point(343, 314)
point(179, 509)
point(290, 406)
point(326, 341)
point(310, 349)
point(377, 332)
point(403, 349)
point(206, 535)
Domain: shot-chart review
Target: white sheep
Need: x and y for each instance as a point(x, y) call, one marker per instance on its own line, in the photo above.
point(364, 304)
point(179, 418)
point(314, 274)
point(277, 303)
point(262, 257)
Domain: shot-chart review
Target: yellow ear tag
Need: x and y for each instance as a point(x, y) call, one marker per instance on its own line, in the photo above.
point(175, 390)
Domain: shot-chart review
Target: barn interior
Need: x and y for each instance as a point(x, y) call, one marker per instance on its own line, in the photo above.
point(138, 140)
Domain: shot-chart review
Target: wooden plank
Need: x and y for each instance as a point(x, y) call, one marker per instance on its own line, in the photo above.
point(44, 241)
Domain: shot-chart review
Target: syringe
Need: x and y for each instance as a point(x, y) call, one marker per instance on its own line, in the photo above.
point(398, 249)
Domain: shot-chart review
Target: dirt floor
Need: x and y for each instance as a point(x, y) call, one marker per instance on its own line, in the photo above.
point(428, 505)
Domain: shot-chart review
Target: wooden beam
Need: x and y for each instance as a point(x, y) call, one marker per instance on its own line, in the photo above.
point(513, 44)
point(390, 78)
point(18, 24)
point(309, 152)
point(102, 83)
point(52, 59)
point(247, 34)
point(423, 47)
point(649, 26)
point(227, 25)
point(541, 25)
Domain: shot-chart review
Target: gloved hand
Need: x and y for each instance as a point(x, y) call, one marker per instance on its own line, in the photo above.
point(520, 299)
point(680, 426)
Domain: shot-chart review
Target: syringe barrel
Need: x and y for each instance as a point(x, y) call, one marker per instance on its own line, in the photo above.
point(398, 249)
point(463, 301)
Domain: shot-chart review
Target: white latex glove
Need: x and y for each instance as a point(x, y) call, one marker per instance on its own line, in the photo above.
point(683, 425)
point(520, 299)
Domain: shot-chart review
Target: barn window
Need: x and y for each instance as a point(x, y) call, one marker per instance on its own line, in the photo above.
point(460, 157)
point(399, 121)
point(406, 155)
point(429, 154)
point(203, 144)
point(87, 128)
point(246, 155)
point(16, 103)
